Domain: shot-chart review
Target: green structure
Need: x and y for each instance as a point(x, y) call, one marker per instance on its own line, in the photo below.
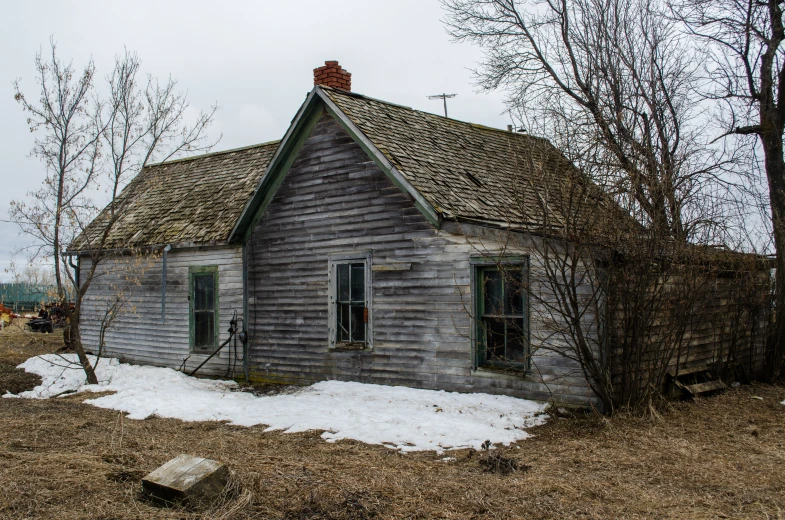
point(26, 296)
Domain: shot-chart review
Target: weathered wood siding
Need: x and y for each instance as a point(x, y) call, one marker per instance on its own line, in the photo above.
point(724, 319)
point(334, 200)
point(138, 335)
point(730, 324)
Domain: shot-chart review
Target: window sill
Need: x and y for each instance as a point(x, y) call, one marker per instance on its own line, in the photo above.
point(350, 348)
point(516, 373)
point(203, 354)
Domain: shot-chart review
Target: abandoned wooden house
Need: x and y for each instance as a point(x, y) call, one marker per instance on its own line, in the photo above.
point(366, 245)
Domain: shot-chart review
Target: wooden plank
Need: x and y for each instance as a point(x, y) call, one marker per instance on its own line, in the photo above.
point(398, 266)
point(702, 388)
point(686, 371)
point(186, 478)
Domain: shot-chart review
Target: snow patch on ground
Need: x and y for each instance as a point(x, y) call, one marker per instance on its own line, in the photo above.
point(397, 417)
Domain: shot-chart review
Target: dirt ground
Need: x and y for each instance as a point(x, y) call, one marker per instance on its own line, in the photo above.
point(717, 457)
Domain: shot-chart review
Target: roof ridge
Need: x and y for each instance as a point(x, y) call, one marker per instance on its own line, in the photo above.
point(460, 121)
point(211, 154)
point(363, 96)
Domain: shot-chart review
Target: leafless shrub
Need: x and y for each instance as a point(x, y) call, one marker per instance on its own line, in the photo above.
point(626, 249)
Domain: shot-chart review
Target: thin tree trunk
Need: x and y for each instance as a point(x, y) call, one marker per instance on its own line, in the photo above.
point(775, 170)
point(75, 336)
point(75, 332)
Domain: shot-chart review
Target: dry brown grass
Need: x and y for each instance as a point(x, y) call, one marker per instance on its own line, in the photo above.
point(17, 344)
point(719, 457)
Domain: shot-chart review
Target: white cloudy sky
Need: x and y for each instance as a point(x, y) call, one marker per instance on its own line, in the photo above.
point(254, 59)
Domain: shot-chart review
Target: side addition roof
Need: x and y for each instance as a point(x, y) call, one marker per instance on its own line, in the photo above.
point(192, 201)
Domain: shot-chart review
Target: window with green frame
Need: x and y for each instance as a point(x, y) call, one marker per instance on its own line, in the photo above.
point(203, 297)
point(502, 315)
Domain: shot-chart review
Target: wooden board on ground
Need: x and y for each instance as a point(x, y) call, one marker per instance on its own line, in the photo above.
point(186, 478)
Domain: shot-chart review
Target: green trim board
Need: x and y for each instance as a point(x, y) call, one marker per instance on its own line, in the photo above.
point(480, 268)
point(428, 211)
point(199, 278)
point(316, 105)
point(300, 129)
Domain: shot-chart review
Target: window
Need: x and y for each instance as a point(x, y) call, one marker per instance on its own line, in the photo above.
point(502, 315)
point(203, 308)
point(350, 297)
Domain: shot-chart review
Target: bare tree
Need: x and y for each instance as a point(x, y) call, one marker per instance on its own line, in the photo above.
point(621, 268)
point(743, 41)
point(615, 80)
point(625, 306)
point(95, 136)
point(31, 274)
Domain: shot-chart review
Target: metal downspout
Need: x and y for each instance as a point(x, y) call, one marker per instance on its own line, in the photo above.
point(76, 268)
point(246, 369)
point(163, 283)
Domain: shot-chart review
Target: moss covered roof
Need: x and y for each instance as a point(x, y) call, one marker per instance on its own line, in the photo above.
point(473, 172)
point(187, 201)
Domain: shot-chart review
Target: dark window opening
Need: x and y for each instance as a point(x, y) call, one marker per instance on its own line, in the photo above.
point(203, 310)
point(502, 317)
point(352, 314)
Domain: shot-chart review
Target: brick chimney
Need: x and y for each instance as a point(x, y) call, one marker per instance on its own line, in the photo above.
point(332, 75)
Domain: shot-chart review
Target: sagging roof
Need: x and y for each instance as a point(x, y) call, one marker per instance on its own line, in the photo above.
point(194, 201)
point(465, 171)
point(453, 170)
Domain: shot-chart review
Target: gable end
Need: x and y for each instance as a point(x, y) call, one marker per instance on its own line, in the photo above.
point(315, 106)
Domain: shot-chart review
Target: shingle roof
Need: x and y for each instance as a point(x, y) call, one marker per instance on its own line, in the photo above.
point(463, 171)
point(187, 201)
point(471, 172)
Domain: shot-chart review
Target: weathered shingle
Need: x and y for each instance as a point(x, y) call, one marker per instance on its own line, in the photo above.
point(472, 172)
point(464, 171)
point(195, 200)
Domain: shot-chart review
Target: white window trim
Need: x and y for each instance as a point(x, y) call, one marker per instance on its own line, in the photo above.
point(332, 275)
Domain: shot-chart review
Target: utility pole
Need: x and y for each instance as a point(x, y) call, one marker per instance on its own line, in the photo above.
point(443, 97)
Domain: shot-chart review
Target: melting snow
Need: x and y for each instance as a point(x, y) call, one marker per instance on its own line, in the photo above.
point(396, 417)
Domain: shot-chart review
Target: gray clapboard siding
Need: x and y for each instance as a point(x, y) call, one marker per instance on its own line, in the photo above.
point(137, 334)
point(333, 200)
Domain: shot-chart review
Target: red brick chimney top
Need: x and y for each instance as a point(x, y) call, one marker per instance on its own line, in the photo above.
point(332, 75)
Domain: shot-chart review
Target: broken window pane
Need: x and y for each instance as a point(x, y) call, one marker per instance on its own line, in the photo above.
point(343, 322)
point(343, 282)
point(494, 339)
point(492, 285)
point(515, 341)
point(501, 334)
point(513, 292)
point(358, 283)
point(204, 329)
point(358, 324)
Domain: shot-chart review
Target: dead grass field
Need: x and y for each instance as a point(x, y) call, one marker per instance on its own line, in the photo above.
point(719, 457)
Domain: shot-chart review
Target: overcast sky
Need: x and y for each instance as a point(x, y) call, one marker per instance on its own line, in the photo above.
point(254, 59)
